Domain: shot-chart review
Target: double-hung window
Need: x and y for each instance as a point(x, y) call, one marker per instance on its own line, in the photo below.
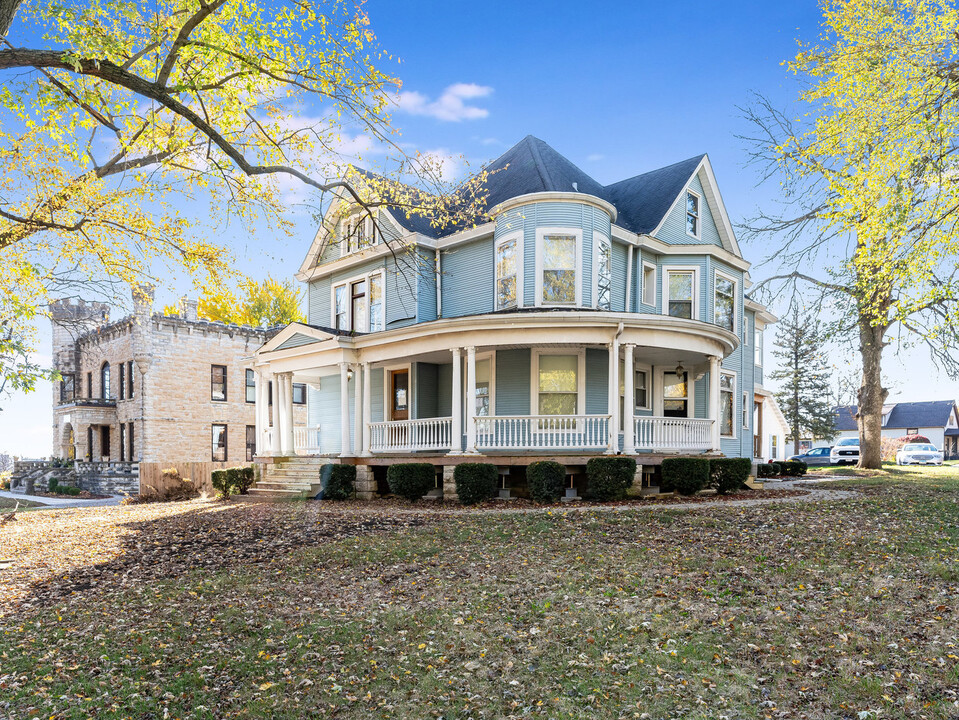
point(105, 381)
point(129, 379)
point(359, 317)
point(559, 269)
point(604, 272)
point(675, 395)
point(692, 214)
point(341, 308)
point(250, 442)
point(219, 443)
point(724, 312)
point(376, 303)
point(558, 384)
point(681, 289)
point(727, 393)
point(250, 386)
point(745, 410)
point(299, 393)
point(649, 284)
point(758, 335)
point(507, 272)
point(218, 383)
point(358, 304)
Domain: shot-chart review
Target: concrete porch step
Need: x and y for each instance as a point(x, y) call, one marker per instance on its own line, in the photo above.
point(277, 494)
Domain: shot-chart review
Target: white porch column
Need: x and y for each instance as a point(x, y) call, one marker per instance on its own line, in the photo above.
point(358, 417)
point(275, 434)
point(259, 415)
point(613, 403)
point(367, 407)
point(344, 410)
point(629, 403)
point(456, 444)
point(285, 383)
point(471, 400)
point(714, 400)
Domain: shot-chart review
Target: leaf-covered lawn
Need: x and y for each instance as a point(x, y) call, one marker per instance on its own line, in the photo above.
point(816, 610)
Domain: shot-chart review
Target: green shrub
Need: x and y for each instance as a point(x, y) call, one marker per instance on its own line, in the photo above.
point(72, 490)
point(232, 481)
point(729, 474)
point(475, 482)
point(411, 480)
point(243, 478)
point(220, 480)
point(764, 470)
point(794, 468)
point(687, 476)
point(545, 480)
point(777, 469)
point(340, 482)
point(52, 484)
point(609, 477)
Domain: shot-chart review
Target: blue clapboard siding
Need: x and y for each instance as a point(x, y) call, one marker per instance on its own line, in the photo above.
point(426, 286)
point(444, 390)
point(597, 381)
point(700, 397)
point(657, 295)
point(513, 382)
point(553, 214)
point(674, 228)
point(618, 294)
point(468, 279)
point(401, 284)
point(376, 394)
point(666, 262)
point(318, 310)
point(425, 401)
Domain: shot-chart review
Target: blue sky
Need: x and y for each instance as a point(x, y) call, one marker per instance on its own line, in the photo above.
point(619, 88)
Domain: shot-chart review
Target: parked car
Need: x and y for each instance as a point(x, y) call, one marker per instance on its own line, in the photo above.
point(919, 454)
point(814, 456)
point(845, 451)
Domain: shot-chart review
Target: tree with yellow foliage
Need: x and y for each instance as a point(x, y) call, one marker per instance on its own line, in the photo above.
point(870, 176)
point(127, 114)
point(269, 302)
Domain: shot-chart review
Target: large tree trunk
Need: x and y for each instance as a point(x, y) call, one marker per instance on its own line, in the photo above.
point(872, 395)
point(8, 9)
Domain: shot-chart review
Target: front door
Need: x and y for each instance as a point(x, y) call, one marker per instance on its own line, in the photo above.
point(105, 441)
point(400, 395)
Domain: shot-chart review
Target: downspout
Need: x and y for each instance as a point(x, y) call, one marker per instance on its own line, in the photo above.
point(439, 284)
point(629, 279)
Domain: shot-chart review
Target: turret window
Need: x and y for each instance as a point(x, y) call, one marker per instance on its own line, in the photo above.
point(507, 290)
point(604, 272)
point(105, 381)
point(558, 266)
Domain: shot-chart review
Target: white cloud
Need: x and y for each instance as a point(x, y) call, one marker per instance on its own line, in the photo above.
point(595, 157)
point(442, 161)
point(451, 106)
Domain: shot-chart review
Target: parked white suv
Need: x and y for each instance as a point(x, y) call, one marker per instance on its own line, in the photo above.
point(845, 451)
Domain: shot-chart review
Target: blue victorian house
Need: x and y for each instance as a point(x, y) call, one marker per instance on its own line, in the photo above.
point(581, 319)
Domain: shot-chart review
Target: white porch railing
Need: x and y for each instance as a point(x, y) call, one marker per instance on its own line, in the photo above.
point(669, 433)
point(306, 440)
point(542, 432)
point(411, 435)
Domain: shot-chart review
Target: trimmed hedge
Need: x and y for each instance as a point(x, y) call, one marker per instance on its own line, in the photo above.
point(411, 480)
point(340, 483)
point(764, 470)
point(546, 480)
point(687, 476)
point(609, 477)
point(232, 481)
point(777, 469)
point(475, 482)
point(52, 484)
point(794, 468)
point(729, 474)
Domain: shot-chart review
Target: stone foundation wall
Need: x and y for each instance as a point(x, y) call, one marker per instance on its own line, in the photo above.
point(109, 478)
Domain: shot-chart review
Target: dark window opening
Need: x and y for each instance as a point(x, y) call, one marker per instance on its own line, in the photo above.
point(66, 388)
point(299, 394)
point(250, 442)
point(218, 383)
point(219, 443)
point(250, 386)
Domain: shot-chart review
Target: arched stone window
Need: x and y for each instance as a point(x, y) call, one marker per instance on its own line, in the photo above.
point(105, 381)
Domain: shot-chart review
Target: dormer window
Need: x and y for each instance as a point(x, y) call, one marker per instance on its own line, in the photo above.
point(359, 232)
point(692, 214)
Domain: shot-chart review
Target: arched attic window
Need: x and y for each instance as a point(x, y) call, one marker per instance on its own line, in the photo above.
point(105, 381)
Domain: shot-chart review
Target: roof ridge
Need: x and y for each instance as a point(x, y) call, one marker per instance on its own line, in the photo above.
point(698, 158)
point(538, 160)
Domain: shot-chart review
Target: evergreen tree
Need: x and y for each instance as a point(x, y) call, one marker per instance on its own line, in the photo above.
point(805, 395)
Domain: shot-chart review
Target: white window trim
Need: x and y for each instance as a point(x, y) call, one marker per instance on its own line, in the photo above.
point(597, 238)
point(667, 269)
point(758, 348)
point(699, 217)
point(348, 282)
point(387, 400)
point(735, 375)
point(743, 411)
point(660, 384)
point(491, 356)
point(717, 273)
point(518, 236)
point(349, 222)
point(580, 377)
point(637, 367)
point(541, 234)
point(649, 266)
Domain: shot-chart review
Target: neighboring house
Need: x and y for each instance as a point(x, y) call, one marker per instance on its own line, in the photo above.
point(938, 420)
point(581, 319)
point(770, 442)
point(153, 387)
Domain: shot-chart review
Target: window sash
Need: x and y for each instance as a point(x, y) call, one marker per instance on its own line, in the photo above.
point(67, 388)
point(745, 412)
point(376, 303)
point(649, 285)
point(105, 381)
point(250, 442)
point(341, 320)
point(359, 321)
point(121, 385)
point(218, 383)
point(558, 385)
point(299, 394)
point(506, 274)
point(604, 274)
point(724, 313)
point(219, 440)
point(640, 389)
point(681, 291)
point(692, 214)
point(559, 269)
point(727, 386)
point(758, 338)
point(250, 386)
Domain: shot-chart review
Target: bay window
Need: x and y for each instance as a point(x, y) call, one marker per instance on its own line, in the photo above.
point(341, 312)
point(604, 272)
point(724, 306)
point(358, 304)
point(507, 287)
point(376, 303)
point(558, 264)
point(681, 289)
point(727, 391)
point(359, 320)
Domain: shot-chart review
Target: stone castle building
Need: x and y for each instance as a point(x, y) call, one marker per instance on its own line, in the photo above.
point(152, 387)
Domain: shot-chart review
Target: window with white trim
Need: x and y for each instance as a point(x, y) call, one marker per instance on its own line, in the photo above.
point(724, 304)
point(341, 309)
point(675, 395)
point(692, 214)
point(758, 335)
point(359, 233)
point(358, 304)
point(376, 303)
point(558, 385)
point(649, 284)
point(681, 293)
point(484, 386)
point(745, 410)
point(727, 394)
point(507, 256)
point(604, 272)
point(359, 319)
point(773, 446)
point(559, 269)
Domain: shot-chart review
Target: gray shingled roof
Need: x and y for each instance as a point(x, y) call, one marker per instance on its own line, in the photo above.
point(532, 166)
point(930, 414)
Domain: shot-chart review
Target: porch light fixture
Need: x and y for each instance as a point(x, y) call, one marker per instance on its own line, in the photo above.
point(349, 374)
point(680, 370)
